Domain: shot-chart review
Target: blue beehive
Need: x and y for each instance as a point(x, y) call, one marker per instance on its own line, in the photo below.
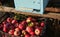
point(33, 6)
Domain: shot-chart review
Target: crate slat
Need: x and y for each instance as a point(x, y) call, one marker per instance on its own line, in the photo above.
point(49, 15)
point(51, 9)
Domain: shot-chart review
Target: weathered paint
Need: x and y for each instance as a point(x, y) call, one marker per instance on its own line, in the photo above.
point(34, 6)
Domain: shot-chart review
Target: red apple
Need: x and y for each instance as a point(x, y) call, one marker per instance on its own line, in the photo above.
point(21, 26)
point(16, 25)
point(32, 33)
point(23, 22)
point(27, 35)
point(14, 21)
point(17, 29)
point(4, 25)
point(37, 31)
point(4, 22)
point(7, 25)
point(42, 24)
point(29, 19)
point(16, 33)
point(11, 32)
point(29, 29)
point(9, 19)
point(4, 29)
point(11, 27)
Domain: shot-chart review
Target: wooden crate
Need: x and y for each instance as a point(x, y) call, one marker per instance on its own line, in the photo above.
point(53, 29)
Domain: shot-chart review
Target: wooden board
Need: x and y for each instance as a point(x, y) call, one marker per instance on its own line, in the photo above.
point(51, 9)
point(49, 15)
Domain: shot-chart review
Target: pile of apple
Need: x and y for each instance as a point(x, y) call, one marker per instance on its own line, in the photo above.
point(26, 28)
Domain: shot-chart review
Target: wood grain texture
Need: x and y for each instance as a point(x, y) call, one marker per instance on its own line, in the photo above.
point(51, 9)
point(49, 15)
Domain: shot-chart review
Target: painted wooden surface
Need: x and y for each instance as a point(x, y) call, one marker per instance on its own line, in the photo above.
point(33, 6)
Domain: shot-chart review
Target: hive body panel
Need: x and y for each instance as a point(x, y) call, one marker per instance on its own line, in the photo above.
point(34, 6)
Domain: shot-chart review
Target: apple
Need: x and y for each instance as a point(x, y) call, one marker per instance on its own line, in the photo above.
point(27, 35)
point(37, 31)
point(4, 25)
point(24, 32)
point(23, 22)
point(32, 33)
point(17, 29)
point(14, 21)
point(29, 29)
point(4, 29)
point(11, 32)
point(4, 22)
point(11, 27)
point(16, 33)
point(42, 24)
point(21, 26)
point(9, 19)
point(16, 25)
point(29, 19)
point(31, 24)
point(7, 25)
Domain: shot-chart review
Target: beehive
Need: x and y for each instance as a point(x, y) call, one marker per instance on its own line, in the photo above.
point(33, 6)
